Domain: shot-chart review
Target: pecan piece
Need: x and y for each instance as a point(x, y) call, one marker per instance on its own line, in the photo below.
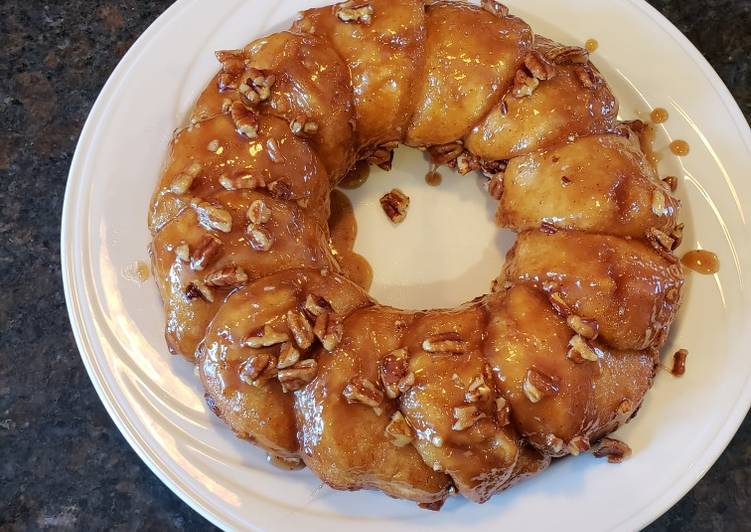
point(196, 289)
point(495, 7)
point(260, 366)
point(213, 217)
point(588, 78)
point(559, 304)
point(398, 430)
point(300, 328)
point(297, 376)
point(230, 275)
point(246, 121)
point(259, 237)
point(288, 356)
point(679, 363)
point(182, 252)
point(539, 66)
point(554, 443)
point(302, 126)
point(207, 251)
point(495, 186)
point(258, 212)
point(242, 182)
point(445, 153)
point(448, 342)
point(660, 240)
point(466, 416)
point(537, 385)
point(580, 351)
point(615, 450)
point(524, 84)
point(392, 370)
point(328, 330)
point(265, 336)
point(578, 444)
point(184, 180)
point(672, 182)
point(360, 390)
point(503, 413)
point(562, 55)
point(281, 189)
point(478, 391)
point(316, 305)
point(395, 205)
point(584, 327)
point(659, 205)
point(355, 12)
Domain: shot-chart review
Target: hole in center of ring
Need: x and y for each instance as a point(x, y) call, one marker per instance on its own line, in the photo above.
point(446, 251)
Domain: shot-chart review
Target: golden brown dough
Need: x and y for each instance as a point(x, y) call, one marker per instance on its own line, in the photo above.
point(295, 357)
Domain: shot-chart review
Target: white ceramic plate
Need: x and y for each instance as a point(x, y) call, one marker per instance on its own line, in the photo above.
point(433, 259)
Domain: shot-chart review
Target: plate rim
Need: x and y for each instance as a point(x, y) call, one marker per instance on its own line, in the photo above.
point(170, 477)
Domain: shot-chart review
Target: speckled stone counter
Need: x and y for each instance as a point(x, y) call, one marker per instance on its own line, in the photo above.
point(63, 464)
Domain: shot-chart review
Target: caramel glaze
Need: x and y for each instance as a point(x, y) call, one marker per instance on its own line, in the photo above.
point(356, 177)
point(433, 178)
point(680, 148)
point(659, 115)
point(492, 389)
point(343, 230)
point(137, 272)
point(701, 261)
point(591, 45)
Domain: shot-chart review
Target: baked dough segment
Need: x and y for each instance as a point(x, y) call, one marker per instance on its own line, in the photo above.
point(204, 153)
point(559, 109)
point(383, 57)
point(600, 184)
point(311, 85)
point(452, 404)
point(471, 57)
point(260, 411)
point(628, 288)
point(298, 239)
point(345, 443)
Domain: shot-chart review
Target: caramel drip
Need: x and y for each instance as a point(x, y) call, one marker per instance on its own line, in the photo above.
point(137, 272)
point(659, 115)
point(343, 230)
point(680, 148)
point(701, 261)
point(356, 177)
point(591, 45)
point(433, 178)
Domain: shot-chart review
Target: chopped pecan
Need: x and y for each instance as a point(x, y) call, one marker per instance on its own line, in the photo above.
point(502, 411)
point(559, 304)
point(214, 146)
point(580, 351)
point(300, 328)
point(281, 189)
point(554, 443)
point(447, 342)
point(660, 240)
point(265, 336)
point(672, 182)
point(246, 121)
point(316, 305)
point(257, 86)
point(395, 205)
point(466, 416)
point(495, 187)
point(275, 154)
point(260, 366)
point(524, 84)
point(361, 390)
point(288, 356)
point(578, 444)
point(467, 162)
point(297, 376)
point(659, 206)
point(182, 252)
point(537, 385)
point(230, 275)
point(539, 66)
point(184, 180)
point(495, 7)
point(258, 212)
point(328, 330)
point(549, 228)
point(588, 78)
point(563, 55)
point(445, 153)
point(478, 391)
point(677, 235)
point(259, 237)
point(392, 369)
point(584, 327)
point(212, 217)
point(615, 450)
point(382, 156)
point(355, 11)
point(242, 182)
point(302, 126)
point(398, 430)
point(679, 362)
point(207, 251)
point(196, 289)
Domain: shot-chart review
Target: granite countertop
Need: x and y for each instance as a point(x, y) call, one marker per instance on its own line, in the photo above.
point(63, 463)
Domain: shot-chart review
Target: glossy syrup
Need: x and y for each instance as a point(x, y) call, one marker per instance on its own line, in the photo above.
point(701, 261)
point(591, 45)
point(659, 115)
point(680, 148)
point(343, 231)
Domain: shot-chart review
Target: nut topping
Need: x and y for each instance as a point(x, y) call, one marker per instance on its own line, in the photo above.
point(257, 87)
point(495, 187)
point(280, 189)
point(258, 212)
point(672, 182)
point(214, 146)
point(448, 342)
point(398, 430)
point(495, 7)
point(395, 205)
point(478, 391)
point(299, 375)
point(615, 450)
point(660, 240)
point(588, 78)
point(300, 328)
point(566, 55)
point(580, 350)
point(578, 444)
point(288, 356)
point(213, 217)
point(328, 330)
point(182, 252)
point(466, 416)
point(679, 363)
point(524, 84)
point(360, 390)
point(259, 238)
point(302, 126)
point(316, 305)
point(539, 66)
point(228, 276)
point(354, 11)
point(265, 336)
point(583, 327)
point(392, 370)
point(559, 304)
point(537, 385)
point(502, 411)
point(257, 367)
point(196, 289)
point(554, 443)
point(246, 122)
point(242, 182)
point(659, 207)
point(181, 183)
point(208, 250)
point(445, 153)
